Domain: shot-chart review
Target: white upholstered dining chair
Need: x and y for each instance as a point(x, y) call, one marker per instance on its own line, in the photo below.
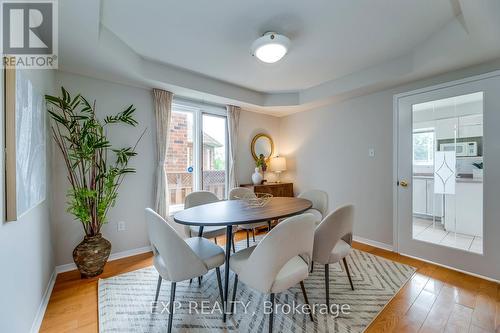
point(243, 192)
point(279, 261)
point(177, 259)
point(333, 242)
point(319, 201)
point(198, 198)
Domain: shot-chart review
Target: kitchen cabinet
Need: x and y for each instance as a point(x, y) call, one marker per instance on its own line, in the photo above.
point(466, 127)
point(470, 126)
point(425, 202)
point(419, 196)
point(466, 207)
point(445, 128)
point(434, 201)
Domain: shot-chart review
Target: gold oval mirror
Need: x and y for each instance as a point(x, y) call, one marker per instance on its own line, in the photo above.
point(262, 144)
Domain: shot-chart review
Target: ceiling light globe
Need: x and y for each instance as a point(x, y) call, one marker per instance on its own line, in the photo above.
point(270, 53)
point(271, 47)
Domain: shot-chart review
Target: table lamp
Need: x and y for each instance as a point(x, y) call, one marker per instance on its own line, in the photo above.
point(278, 165)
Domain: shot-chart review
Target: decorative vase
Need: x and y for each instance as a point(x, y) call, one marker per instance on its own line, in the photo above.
point(91, 255)
point(256, 177)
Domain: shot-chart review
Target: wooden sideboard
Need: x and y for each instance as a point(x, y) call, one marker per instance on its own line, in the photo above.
point(276, 189)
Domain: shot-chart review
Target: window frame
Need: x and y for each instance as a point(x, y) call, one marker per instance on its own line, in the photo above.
point(421, 131)
point(226, 145)
point(198, 109)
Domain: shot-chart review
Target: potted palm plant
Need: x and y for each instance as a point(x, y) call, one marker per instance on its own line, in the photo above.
point(95, 170)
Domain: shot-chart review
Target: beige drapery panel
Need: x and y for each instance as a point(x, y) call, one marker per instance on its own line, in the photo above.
point(233, 120)
point(163, 108)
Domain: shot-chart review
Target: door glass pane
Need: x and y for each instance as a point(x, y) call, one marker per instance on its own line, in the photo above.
point(214, 155)
point(180, 164)
point(448, 172)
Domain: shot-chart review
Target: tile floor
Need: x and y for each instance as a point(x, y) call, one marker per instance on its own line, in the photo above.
point(425, 231)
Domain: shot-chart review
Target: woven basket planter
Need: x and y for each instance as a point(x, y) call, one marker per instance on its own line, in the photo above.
point(91, 255)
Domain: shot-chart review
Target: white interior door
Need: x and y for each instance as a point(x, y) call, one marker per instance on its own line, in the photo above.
point(445, 211)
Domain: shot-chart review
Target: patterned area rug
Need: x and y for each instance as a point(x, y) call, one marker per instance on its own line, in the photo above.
point(125, 301)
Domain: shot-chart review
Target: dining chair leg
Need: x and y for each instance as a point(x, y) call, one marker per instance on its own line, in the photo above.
point(253, 235)
point(271, 314)
point(327, 286)
point(312, 267)
point(158, 288)
point(268, 225)
point(348, 273)
point(219, 282)
point(190, 281)
point(306, 299)
point(215, 240)
point(199, 280)
point(171, 307)
point(232, 244)
point(235, 287)
point(248, 240)
point(229, 234)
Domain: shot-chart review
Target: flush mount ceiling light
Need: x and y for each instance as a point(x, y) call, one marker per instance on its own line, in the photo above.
point(271, 47)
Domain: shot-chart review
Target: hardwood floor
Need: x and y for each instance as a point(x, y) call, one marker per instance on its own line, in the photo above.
point(435, 299)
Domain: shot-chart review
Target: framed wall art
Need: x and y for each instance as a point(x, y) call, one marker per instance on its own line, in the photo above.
point(25, 145)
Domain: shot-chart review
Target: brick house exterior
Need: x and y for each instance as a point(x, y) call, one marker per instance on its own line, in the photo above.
point(180, 149)
point(181, 143)
point(179, 158)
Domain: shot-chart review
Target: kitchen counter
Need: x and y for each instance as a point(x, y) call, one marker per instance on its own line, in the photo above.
point(462, 211)
point(462, 178)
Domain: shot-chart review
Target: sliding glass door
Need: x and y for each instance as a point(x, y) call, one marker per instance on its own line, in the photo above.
point(180, 164)
point(214, 155)
point(197, 152)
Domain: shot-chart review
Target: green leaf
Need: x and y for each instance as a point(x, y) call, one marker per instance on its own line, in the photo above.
point(94, 179)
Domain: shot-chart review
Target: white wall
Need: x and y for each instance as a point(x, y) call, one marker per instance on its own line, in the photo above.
point(327, 148)
point(251, 124)
point(26, 256)
point(136, 192)
point(137, 189)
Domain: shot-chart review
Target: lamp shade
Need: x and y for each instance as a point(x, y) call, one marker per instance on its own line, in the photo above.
point(278, 164)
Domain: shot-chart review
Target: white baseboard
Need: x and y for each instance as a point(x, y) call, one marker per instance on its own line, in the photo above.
point(390, 248)
point(367, 241)
point(452, 268)
point(128, 253)
point(65, 268)
point(113, 256)
point(35, 327)
point(37, 322)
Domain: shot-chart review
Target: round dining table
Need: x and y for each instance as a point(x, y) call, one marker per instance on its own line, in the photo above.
point(229, 213)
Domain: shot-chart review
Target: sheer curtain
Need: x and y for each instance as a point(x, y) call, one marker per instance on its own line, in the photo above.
point(233, 120)
point(163, 108)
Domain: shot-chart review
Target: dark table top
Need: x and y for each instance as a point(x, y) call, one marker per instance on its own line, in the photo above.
point(233, 212)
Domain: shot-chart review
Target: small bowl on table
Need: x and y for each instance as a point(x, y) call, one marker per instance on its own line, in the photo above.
point(259, 200)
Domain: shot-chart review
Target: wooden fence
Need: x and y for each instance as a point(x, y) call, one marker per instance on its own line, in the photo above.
point(180, 184)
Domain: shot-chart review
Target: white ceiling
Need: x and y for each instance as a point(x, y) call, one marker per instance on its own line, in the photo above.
point(330, 39)
point(340, 49)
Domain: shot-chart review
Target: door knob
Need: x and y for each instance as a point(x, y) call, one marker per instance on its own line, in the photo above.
point(403, 183)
